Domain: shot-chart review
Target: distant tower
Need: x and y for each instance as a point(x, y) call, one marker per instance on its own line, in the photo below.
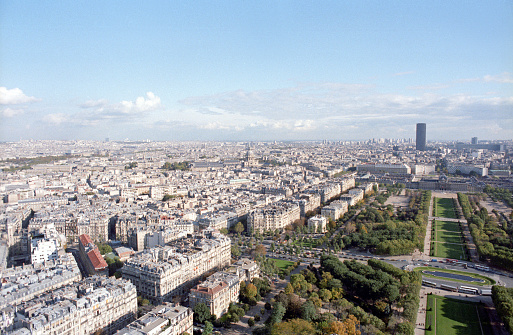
point(421, 137)
point(474, 140)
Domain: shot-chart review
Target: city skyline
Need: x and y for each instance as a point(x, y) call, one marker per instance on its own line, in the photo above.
point(265, 71)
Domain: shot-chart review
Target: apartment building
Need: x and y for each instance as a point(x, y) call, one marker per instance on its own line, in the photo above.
point(166, 272)
point(276, 216)
point(95, 304)
point(165, 319)
point(217, 292)
point(317, 224)
point(334, 210)
point(23, 283)
point(384, 168)
point(91, 257)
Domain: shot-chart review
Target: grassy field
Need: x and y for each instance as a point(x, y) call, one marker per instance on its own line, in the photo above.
point(282, 264)
point(454, 317)
point(444, 208)
point(447, 250)
point(304, 244)
point(448, 242)
point(487, 281)
point(447, 225)
point(449, 236)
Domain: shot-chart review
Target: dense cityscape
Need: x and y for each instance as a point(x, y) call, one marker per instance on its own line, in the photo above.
point(256, 167)
point(345, 237)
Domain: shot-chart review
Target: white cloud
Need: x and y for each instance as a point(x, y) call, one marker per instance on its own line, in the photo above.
point(10, 112)
point(403, 73)
point(94, 103)
point(504, 77)
point(141, 104)
point(96, 111)
point(14, 96)
point(55, 118)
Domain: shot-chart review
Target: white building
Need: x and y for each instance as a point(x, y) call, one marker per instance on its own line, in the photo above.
point(43, 249)
point(317, 224)
point(335, 209)
point(165, 319)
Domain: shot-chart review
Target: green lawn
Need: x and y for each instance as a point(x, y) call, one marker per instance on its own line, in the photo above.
point(447, 250)
point(444, 208)
point(449, 236)
point(447, 225)
point(448, 316)
point(304, 244)
point(282, 264)
point(448, 241)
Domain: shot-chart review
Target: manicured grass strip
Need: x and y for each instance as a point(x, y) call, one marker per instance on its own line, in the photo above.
point(453, 317)
point(487, 280)
point(444, 208)
point(448, 240)
point(447, 225)
point(450, 237)
point(282, 264)
point(448, 250)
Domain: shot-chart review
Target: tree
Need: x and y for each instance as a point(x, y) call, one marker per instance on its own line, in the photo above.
point(260, 250)
point(201, 312)
point(308, 311)
point(235, 250)
point(293, 327)
point(289, 289)
point(209, 328)
point(104, 248)
point(347, 327)
point(277, 314)
point(325, 295)
point(250, 291)
point(239, 228)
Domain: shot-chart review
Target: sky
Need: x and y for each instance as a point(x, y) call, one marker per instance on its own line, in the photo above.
point(255, 70)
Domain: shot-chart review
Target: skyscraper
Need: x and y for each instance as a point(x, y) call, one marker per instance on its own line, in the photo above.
point(421, 137)
point(474, 140)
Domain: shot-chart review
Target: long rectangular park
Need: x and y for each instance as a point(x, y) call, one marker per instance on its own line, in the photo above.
point(447, 241)
point(448, 316)
point(446, 236)
point(444, 208)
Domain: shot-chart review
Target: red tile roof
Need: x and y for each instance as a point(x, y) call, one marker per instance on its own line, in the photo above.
point(85, 239)
point(97, 259)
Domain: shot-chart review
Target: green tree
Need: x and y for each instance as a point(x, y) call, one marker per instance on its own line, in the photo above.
point(104, 248)
point(235, 250)
point(308, 311)
point(209, 328)
point(239, 228)
point(201, 312)
point(276, 314)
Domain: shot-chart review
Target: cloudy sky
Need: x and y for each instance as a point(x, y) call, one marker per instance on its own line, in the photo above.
point(255, 70)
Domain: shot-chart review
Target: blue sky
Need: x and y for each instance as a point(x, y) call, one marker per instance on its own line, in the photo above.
point(262, 70)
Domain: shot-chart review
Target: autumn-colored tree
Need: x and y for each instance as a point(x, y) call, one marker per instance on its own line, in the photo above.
point(260, 250)
point(250, 291)
point(293, 327)
point(347, 327)
point(325, 295)
point(289, 289)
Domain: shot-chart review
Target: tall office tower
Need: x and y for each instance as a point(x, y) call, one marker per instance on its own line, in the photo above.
point(421, 137)
point(474, 140)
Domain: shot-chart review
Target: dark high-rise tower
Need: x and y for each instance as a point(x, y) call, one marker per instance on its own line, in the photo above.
point(421, 137)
